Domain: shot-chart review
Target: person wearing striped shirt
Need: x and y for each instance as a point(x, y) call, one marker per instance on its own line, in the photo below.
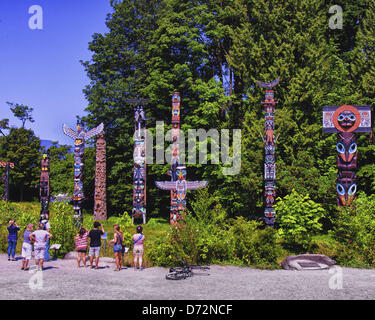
point(81, 246)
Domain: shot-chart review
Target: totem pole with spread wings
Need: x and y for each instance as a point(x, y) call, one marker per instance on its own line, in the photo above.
point(178, 184)
point(79, 137)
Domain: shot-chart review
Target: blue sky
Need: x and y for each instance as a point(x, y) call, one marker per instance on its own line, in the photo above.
point(41, 68)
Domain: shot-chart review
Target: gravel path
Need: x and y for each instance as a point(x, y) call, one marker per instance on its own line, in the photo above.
point(63, 280)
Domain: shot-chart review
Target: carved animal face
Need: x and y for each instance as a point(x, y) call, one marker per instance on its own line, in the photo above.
point(346, 119)
point(346, 190)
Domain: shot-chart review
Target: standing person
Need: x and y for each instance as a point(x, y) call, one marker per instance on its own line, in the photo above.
point(81, 246)
point(95, 243)
point(118, 238)
point(47, 228)
point(40, 237)
point(27, 247)
point(12, 239)
point(138, 240)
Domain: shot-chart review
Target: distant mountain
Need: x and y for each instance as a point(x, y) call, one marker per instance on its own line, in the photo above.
point(48, 143)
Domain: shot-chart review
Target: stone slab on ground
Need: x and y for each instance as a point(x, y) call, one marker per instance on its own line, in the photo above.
point(307, 262)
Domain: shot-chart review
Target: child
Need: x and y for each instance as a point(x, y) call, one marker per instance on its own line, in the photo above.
point(81, 246)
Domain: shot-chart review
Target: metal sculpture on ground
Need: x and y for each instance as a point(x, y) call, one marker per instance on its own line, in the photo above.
point(178, 184)
point(139, 156)
point(346, 120)
point(44, 188)
point(79, 137)
point(269, 148)
point(100, 196)
point(7, 165)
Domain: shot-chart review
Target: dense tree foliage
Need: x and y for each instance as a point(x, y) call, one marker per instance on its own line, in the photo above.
point(213, 52)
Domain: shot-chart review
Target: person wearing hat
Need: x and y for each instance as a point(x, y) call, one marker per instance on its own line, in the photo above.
point(27, 247)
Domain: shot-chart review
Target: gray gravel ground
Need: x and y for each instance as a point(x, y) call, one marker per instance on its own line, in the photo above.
point(63, 280)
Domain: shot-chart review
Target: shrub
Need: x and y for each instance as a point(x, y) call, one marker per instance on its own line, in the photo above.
point(354, 229)
point(298, 220)
point(63, 228)
point(206, 237)
point(10, 211)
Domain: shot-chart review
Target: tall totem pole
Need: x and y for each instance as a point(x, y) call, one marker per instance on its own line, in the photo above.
point(100, 196)
point(346, 120)
point(139, 170)
point(79, 137)
point(269, 148)
point(178, 184)
point(7, 165)
point(44, 188)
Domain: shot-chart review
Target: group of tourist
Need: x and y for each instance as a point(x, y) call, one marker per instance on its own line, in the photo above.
point(40, 240)
point(81, 244)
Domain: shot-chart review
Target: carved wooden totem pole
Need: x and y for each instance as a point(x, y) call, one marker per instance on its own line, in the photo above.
point(44, 188)
point(5, 178)
point(269, 148)
point(346, 121)
point(79, 137)
point(139, 170)
point(100, 197)
point(178, 184)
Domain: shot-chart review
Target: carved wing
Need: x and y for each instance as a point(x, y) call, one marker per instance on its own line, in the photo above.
point(166, 185)
point(268, 85)
point(94, 132)
point(194, 185)
point(69, 132)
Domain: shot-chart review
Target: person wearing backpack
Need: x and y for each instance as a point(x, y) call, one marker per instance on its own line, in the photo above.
point(138, 240)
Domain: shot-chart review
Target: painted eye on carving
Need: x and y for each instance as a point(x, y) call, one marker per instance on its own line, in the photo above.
point(340, 189)
point(352, 190)
point(352, 117)
point(341, 117)
point(353, 148)
point(340, 148)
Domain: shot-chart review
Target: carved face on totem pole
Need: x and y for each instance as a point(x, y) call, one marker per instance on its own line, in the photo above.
point(139, 152)
point(345, 120)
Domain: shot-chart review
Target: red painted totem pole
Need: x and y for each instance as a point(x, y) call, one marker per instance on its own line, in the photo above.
point(269, 148)
point(7, 165)
point(44, 187)
point(346, 120)
point(178, 184)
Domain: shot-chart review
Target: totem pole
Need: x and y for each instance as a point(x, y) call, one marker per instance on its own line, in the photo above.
point(345, 120)
point(79, 137)
point(269, 148)
point(139, 170)
point(44, 187)
point(5, 178)
point(178, 184)
point(100, 197)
